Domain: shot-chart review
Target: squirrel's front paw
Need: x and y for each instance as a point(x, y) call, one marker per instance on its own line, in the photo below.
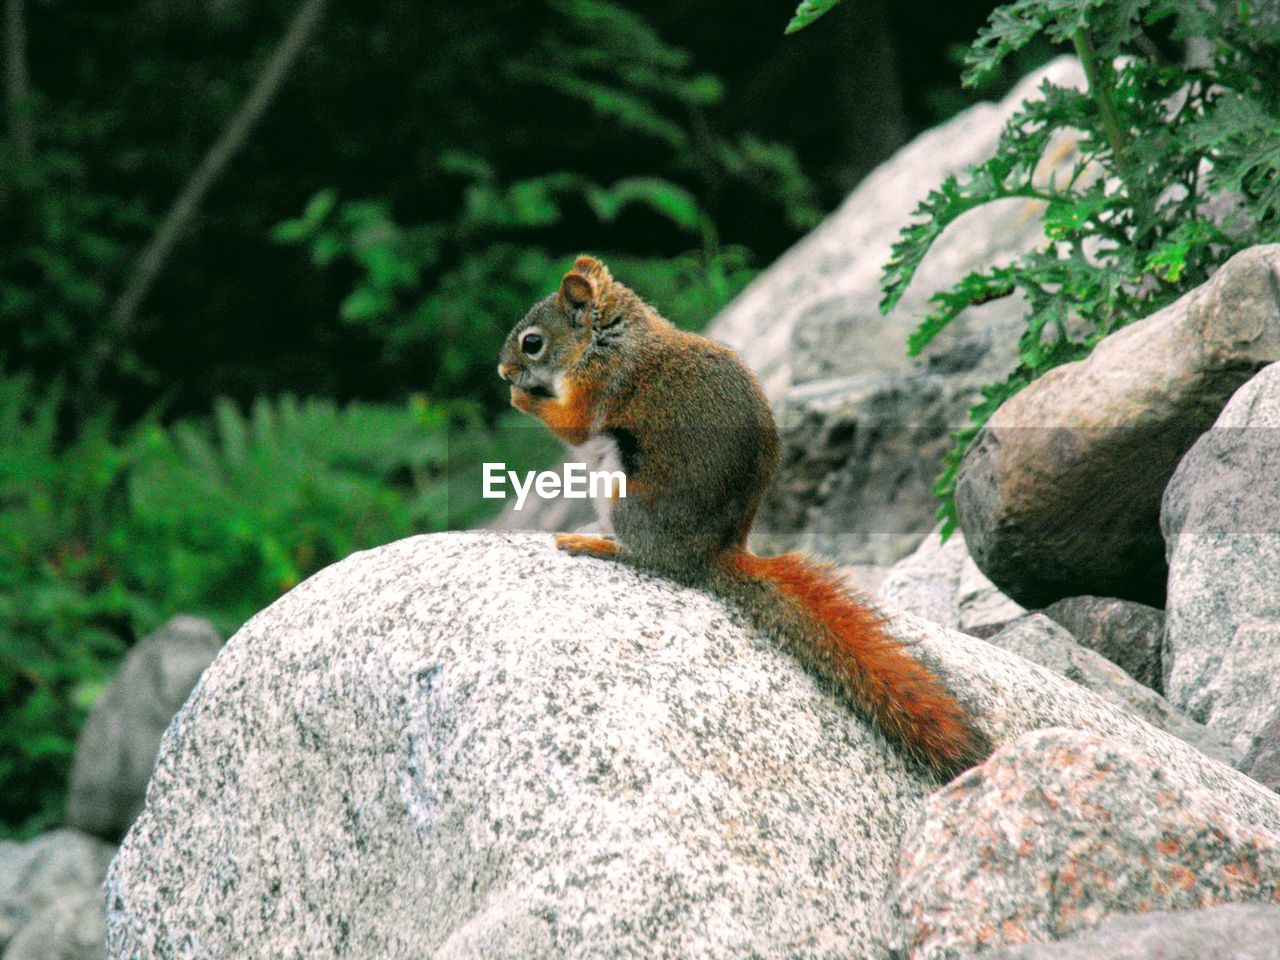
point(523, 401)
point(580, 544)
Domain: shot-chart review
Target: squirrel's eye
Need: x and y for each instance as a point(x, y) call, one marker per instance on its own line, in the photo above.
point(531, 344)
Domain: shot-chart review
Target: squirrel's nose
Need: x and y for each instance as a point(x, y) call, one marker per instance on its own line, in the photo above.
point(507, 372)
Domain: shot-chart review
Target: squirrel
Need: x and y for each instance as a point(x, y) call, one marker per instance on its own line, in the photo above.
point(699, 448)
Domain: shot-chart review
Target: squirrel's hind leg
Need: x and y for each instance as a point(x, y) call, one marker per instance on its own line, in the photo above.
point(580, 544)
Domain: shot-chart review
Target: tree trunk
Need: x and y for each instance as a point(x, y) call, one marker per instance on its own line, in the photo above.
point(206, 174)
point(16, 84)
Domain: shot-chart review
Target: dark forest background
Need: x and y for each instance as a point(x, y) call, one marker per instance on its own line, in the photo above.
point(257, 259)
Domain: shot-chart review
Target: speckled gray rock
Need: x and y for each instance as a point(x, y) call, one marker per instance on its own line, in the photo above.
point(118, 743)
point(1233, 931)
point(1262, 762)
point(940, 582)
point(1042, 641)
point(1061, 829)
point(1126, 633)
point(472, 744)
point(71, 928)
point(1059, 495)
point(1221, 518)
point(44, 871)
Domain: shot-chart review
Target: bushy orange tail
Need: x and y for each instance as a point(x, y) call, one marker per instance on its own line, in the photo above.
point(806, 604)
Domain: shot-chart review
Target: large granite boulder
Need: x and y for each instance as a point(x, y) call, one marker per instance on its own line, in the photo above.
point(1061, 829)
point(814, 315)
point(1060, 494)
point(1128, 634)
point(474, 745)
point(118, 743)
point(1221, 519)
point(1233, 931)
point(45, 873)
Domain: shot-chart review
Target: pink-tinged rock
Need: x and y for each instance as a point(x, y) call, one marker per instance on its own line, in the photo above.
point(1059, 830)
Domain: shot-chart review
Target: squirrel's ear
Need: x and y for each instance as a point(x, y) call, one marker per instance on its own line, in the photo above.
point(576, 291)
point(589, 266)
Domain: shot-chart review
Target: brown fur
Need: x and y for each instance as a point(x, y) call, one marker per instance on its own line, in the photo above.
point(699, 448)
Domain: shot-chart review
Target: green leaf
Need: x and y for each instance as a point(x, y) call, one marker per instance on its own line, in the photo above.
point(975, 289)
point(1169, 258)
point(663, 197)
point(363, 304)
point(1012, 26)
point(1006, 175)
point(807, 12)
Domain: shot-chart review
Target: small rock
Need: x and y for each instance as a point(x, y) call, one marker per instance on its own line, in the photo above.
point(44, 871)
point(1060, 830)
point(1042, 641)
point(1059, 495)
point(1221, 519)
point(940, 582)
point(117, 746)
point(1263, 760)
point(1233, 931)
point(1126, 633)
point(71, 928)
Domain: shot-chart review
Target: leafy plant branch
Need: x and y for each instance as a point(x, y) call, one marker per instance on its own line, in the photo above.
point(1161, 147)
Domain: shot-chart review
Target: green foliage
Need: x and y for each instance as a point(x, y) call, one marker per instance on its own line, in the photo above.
point(63, 242)
point(238, 510)
point(106, 535)
point(412, 302)
point(453, 286)
point(60, 600)
point(595, 127)
point(1162, 151)
point(619, 68)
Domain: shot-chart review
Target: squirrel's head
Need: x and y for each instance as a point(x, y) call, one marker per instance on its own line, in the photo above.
point(559, 327)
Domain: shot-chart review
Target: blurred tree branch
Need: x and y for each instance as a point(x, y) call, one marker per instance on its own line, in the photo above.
point(16, 84)
point(182, 211)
